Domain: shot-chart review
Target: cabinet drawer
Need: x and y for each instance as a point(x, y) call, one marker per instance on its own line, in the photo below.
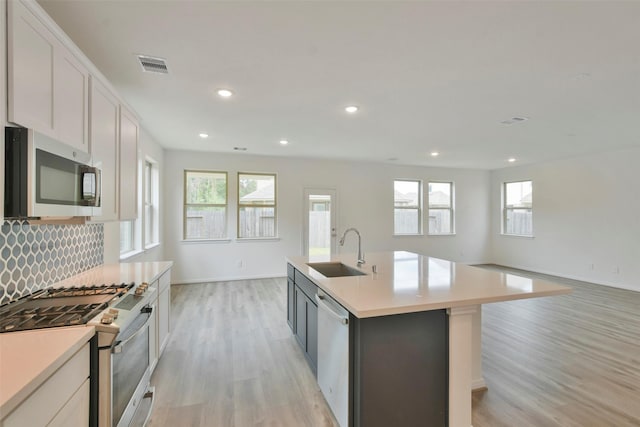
point(41, 407)
point(306, 285)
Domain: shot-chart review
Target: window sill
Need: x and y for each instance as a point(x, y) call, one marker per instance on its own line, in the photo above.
point(257, 239)
point(204, 241)
point(151, 246)
point(441, 234)
point(409, 235)
point(130, 254)
point(518, 236)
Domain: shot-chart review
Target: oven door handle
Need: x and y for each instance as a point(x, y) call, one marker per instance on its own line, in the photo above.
point(118, 347)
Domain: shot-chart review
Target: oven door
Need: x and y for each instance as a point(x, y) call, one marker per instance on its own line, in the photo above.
point(130, 368)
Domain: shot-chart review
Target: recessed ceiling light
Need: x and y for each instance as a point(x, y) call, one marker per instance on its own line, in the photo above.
point(392, 159)
point(225, 93)
point(434, 154)
point(284, 142)
point(351, 109)
point(511, 159)
point(240, 148)
point(204, 135)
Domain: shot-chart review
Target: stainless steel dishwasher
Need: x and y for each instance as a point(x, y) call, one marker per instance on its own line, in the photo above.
point(333, 355)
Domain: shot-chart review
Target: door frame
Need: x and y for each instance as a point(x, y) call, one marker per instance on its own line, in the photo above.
point(331, 191)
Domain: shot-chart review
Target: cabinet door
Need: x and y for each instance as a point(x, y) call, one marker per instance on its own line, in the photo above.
point(75, 413)
point(70, 100)
point(300, 330)
point(31, 50)
point(153, 336)
point(3, 94)
point(164, 316)
point(312, 333)
point(290, 302)
point(128, 165)
point(104, 148)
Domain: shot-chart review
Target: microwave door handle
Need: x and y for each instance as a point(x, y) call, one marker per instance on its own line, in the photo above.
point(98, 201)
point(120, 345)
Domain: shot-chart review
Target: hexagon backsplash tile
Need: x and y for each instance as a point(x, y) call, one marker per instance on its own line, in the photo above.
point(33, 257)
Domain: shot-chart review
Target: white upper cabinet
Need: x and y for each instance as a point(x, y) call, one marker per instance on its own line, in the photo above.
point(31, 48)
point(70, 100)
point(104, 148)
point(128, 165)
point(47, 86)
point(3, 94)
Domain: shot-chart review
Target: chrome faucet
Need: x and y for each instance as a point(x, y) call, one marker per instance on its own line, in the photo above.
point(360, 255)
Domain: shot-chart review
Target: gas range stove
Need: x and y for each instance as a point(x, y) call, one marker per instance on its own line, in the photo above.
point(122, 316)
point(71, 306)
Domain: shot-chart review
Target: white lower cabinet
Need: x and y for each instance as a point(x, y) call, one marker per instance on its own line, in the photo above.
point(160, 326)
point(62, 400)
point(164, 311)
point(153, 337)
point(76, 411)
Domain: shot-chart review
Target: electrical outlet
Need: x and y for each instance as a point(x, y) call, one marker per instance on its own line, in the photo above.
point(592, 266)
point(239, 263)
point(616, 269)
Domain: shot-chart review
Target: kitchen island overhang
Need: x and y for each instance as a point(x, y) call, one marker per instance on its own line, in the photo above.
point(406, 282)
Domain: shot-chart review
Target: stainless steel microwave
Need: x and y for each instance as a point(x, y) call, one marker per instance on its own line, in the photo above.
point(47, 178)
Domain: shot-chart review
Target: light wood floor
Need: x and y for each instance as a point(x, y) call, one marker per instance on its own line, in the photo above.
point(561, 361)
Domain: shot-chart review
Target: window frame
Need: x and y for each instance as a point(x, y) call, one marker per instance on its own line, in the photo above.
point(137, 226)
point(506, 208)
point(451, 208)
point(239, 205)
point(151, 203)
point(185, 205)
point(419, 208)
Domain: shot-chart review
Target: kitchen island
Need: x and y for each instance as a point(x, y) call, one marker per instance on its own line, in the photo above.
point(414, 309)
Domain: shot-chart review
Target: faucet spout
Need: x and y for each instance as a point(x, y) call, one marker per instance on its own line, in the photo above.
point(360, 255)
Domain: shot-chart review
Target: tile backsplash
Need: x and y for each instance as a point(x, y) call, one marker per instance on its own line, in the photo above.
point(33, 257)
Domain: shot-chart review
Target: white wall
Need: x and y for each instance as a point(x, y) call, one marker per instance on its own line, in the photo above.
point(365, 201)
point(586, 211)
point(147, 148)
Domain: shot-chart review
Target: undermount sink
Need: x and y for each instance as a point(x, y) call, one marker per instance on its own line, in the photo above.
point(335, 269)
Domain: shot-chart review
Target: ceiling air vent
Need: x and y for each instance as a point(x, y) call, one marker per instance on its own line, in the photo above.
point(151, 64)
point(514, 120)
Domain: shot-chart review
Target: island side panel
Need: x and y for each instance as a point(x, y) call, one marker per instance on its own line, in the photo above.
point(400, 370)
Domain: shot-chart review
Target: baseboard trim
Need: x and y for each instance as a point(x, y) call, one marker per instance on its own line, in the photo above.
point(479, 385)
point(224, 279)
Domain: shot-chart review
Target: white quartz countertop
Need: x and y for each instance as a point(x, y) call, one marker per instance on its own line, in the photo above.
point(28, 358)
point(137, 272)
point(407, 282)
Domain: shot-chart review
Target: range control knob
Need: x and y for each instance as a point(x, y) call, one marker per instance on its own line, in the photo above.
point(106, 319)
point(139, 291)
point(113, 313)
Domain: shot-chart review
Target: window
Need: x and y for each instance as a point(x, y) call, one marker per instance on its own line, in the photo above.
point(131, 230)
point(205, 205)
point(127, 238)
point(256, 205)
point(517, 203)
point(151, 211)
point(440, 208)
point(407, 204)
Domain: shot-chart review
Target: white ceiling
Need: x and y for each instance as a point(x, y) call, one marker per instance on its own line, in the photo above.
point(426, 75)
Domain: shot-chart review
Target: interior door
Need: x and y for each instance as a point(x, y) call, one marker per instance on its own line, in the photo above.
point(319, 222)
